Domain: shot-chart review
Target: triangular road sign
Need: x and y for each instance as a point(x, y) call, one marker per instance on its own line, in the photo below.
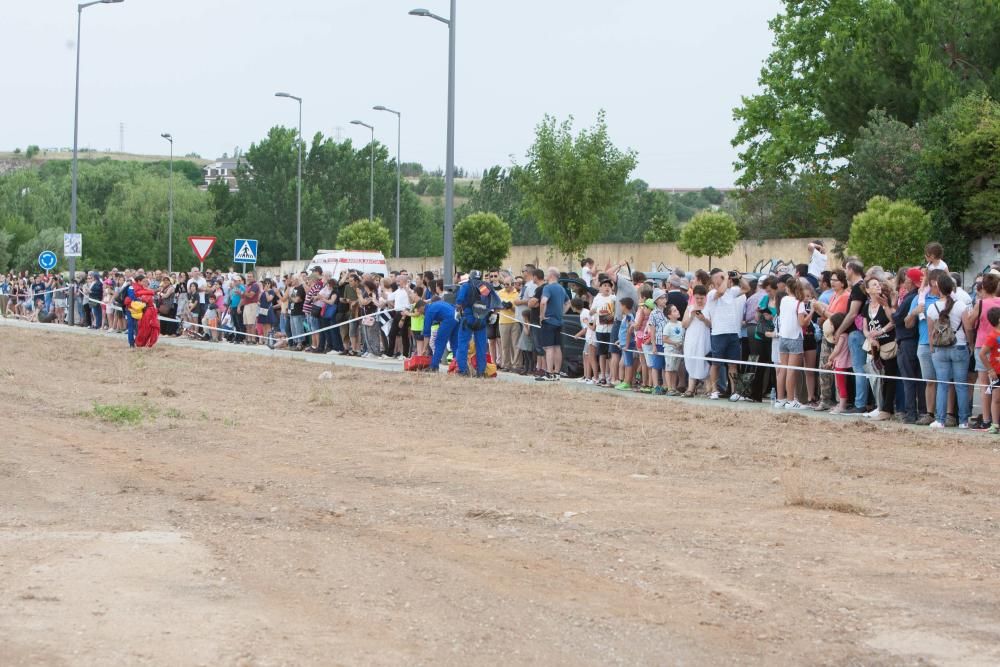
point(202, 245)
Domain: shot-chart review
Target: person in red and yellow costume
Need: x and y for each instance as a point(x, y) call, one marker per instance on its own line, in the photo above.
point(149, 322)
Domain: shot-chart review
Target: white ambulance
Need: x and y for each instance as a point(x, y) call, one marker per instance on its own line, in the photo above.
point(334, 262)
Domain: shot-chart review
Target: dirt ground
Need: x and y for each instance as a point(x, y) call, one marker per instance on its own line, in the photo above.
point(257, 515)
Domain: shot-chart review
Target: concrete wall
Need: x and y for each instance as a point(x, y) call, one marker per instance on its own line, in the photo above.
point(641, 256)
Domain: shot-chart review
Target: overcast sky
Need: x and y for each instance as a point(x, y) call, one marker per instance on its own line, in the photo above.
point(668, 73)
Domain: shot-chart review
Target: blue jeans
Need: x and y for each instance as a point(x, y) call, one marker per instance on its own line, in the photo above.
point(855, 342)
point(951, 364)
point(298, 328)
point(725, 348)
point(95, 315)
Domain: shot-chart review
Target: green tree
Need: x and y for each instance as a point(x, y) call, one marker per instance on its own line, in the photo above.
point(712, 196)
point(498, 193)
point(661, 230)
point(31, 151)
point(572, 184)
point(890, 234)
point(635, 213)
point(833, 61)
point(710, 233)
point(482, 241)
point(365, 235)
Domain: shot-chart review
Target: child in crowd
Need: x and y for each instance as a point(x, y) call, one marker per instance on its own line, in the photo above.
point(840, 360)
point(639, 333)
point(211, 322)
point(673, 344)
point(588, 331)
point(989, 355)
point(417, 328)
point(656, 330)
point(625, 345)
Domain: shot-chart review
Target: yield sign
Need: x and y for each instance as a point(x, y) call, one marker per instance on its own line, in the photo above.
point(202, 245)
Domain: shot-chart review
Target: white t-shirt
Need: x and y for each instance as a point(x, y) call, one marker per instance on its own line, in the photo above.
point(817, 263)
point(726, 312)
point(963, 296)
point(586, 275)
point(400, 300)
point(604, 304)
point(955, 315)
point(590, 335)
point(788, 318)
point(939, 265)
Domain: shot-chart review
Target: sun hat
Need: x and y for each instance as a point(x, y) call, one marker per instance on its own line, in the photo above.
point(658, 294)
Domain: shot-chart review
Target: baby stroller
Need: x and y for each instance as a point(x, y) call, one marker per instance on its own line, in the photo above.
point(745, 376)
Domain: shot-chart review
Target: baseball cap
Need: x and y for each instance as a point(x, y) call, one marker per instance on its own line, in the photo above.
point(649, 303)
point(915, 274)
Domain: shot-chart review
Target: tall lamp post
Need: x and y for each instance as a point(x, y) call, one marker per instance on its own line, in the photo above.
point(371, 192)
point(170, 218)
point(399, 172)
point(76, 135)
point(298, 203)
point(449, 178)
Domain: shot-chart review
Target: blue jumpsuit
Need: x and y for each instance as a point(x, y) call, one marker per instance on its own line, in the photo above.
point(465, 334)
point(131, 325)
point(443, 313)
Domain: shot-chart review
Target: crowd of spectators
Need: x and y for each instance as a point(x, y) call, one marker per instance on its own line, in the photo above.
point(912, 346)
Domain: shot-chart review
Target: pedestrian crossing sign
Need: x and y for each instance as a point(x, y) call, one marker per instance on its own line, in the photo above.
point(245, 251)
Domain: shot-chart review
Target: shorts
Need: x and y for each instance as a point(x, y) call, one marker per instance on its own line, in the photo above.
point(628, 358)
point(809, 341)
point(672, 363)
point(790, 346)
point(726, 348)
point(313, 323)
point(604, 344)
point(549, 335)
point(418, 335)
point(654, 360)
point(250, 314)
point(353, 329)
point(980, 367)
point(926, 365)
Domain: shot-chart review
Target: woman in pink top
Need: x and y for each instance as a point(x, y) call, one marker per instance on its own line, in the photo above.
point(975, 318)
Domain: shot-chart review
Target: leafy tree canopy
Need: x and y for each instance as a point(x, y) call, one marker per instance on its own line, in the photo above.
point(482, 241)
point(890, 234)
point(711, 234)
point(365, 235)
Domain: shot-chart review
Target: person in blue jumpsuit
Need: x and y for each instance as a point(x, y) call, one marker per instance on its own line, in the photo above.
point(443, 314)
point(474, 304)
point(131, 325)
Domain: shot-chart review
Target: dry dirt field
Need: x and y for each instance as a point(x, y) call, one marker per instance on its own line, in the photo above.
point(256, 515)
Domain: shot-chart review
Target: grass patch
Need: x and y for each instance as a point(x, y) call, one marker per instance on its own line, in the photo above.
point(173, 413)
point(122, 415)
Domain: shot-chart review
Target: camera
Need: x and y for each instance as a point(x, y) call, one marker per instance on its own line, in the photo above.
point(734, 275)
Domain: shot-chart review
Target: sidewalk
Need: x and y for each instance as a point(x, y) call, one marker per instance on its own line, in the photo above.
point(396, 366)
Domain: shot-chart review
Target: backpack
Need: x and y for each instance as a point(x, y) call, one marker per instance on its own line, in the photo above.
point(943, 334)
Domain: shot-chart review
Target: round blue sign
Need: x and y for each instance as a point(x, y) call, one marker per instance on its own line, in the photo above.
point(47, 260)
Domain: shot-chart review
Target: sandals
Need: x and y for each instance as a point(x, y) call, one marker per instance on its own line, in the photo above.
point(687, 394)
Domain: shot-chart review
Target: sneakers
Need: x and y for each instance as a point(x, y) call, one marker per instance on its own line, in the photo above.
point(714, 396)
point(734, 397)
point(548, 377)
point(964, 425)
point(853, 411)
point(925, 420)
point(980, 425)
point(936, 424)
point(779, 404)
point(881, 416)
point(994, 429)
point(951, 421)
point(837, 410)
point(658, 391)
point(795, 405)
point(623, 386)
point(873, 414)
point(822, 407)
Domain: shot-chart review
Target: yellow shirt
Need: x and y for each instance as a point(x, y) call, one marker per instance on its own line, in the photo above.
point(507, 315)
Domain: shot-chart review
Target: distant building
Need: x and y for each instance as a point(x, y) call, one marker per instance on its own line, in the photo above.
point(222, 169)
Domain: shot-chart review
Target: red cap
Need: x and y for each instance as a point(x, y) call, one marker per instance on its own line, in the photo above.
point(915, 275)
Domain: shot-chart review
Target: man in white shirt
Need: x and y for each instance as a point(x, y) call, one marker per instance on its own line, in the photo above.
point(400, 300)
point(726, 303)
point(817, 258)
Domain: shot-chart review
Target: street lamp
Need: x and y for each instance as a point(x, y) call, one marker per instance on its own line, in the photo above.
point(170, 219)
point(371, 192)
point(399, 133)
point(76, 134)
point(449, 178)
point(298, 204)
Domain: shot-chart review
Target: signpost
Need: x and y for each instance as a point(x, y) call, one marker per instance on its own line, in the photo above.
point(202, 246)
point(245, 252)
point(47, 260)
point(72, 245)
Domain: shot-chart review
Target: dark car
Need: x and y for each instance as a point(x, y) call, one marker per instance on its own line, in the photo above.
point(573, 347)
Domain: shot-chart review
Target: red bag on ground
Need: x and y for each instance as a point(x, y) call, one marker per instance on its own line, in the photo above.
point(417, 363)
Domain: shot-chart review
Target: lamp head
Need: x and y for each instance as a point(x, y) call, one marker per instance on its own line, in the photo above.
point(419, 12)
point(111, 2)
point(282, 95)
point(168, 137)
point(379, 108)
